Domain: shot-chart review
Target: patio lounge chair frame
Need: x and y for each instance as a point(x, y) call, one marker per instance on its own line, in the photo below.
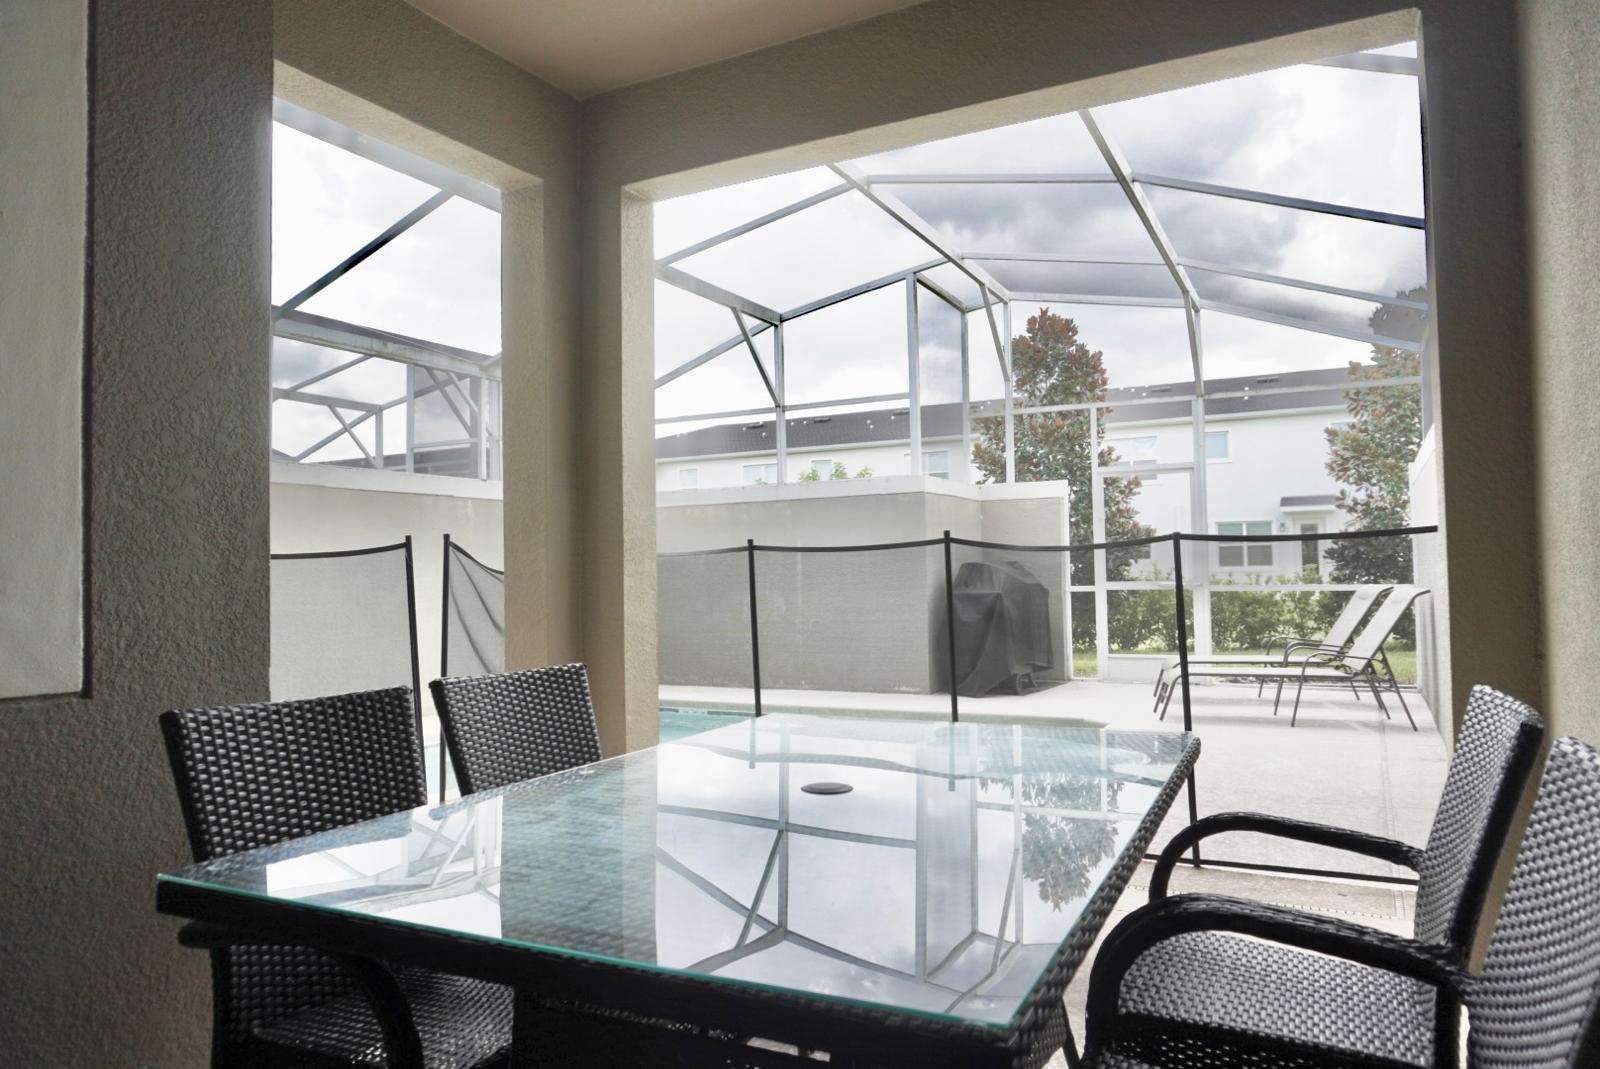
point(1364, 662)
point(1336, 639)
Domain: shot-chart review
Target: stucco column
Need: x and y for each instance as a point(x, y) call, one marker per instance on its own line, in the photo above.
point(618, 565)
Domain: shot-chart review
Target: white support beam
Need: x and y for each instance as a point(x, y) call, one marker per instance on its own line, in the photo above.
point(1316, 328)
point(755, 354)
point(1094, 298)
point(1369, 215)
point(1064, 258)
point(953, 179)
point(674, 276)
point(307, 398)
point(1152, 225)
point(902, 213)
point(334, 334)
point(914, 377)
point(857, 290)
point(706, 357)
point(754, 224)
point(381, 152)
point(1368, 61)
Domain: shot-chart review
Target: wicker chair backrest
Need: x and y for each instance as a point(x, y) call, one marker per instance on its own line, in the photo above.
point(517, 725)
point(1495, 754)
point(1536, 1004)
point(253, 775)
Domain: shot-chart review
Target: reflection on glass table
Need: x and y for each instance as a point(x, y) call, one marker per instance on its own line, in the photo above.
point(941, 884)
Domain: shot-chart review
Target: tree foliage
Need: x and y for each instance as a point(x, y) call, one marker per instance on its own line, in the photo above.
point(1371, 455)
point(1051, 365)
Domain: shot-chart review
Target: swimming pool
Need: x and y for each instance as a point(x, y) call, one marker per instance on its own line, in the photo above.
point(678, 723)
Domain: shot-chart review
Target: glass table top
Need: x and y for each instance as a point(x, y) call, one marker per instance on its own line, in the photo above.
point(939, 884)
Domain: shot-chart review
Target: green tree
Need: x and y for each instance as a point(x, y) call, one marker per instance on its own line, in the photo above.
point(839, 471)
point(1371, 455)
point(810, 475)
point(864, 473)
point(1052, 366)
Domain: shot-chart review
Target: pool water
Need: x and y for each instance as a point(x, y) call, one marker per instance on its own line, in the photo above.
point(681, 723)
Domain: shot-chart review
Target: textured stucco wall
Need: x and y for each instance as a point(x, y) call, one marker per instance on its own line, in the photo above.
point(952, 65)
point(384, 68)
point(1561, 43)
point(43, 83)
point(177, 432)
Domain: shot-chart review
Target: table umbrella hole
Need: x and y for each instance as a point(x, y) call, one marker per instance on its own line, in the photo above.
point(827, 787)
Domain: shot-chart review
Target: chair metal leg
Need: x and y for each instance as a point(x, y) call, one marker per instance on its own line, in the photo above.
point(1160, 693)
point(1276, 698)
point(1394, 683)
point(1373, 686)
point(1172, 685)
point(1161, 677)
point(1296, 714)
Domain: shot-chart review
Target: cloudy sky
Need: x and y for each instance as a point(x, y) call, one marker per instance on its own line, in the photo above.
point(1323, 133)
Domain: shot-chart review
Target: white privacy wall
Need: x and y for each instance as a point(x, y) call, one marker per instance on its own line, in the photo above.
point(317, 508)
point(43, 56)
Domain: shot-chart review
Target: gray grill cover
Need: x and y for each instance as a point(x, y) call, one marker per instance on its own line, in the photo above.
point(1002, 616)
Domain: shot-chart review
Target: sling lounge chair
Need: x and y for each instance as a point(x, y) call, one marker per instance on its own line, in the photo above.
point(1338, 636)
point(1363, 663)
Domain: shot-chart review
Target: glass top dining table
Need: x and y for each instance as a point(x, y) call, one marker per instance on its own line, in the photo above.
point(929, 868)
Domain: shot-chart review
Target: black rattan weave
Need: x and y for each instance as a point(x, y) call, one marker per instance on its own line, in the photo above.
point(1209, 981)
point(252, 775)
point(1536, 1004)
point(518, 725)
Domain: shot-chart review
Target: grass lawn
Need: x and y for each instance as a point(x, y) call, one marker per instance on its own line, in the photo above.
point(1403, 661)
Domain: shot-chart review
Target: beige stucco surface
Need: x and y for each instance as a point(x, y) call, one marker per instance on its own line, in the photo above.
point(1561, 45)
point(176, 428)
point(43, 84)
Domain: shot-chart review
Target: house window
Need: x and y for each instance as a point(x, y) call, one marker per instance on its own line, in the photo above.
point(1243, 554)
point(757, 474)
point(822, 468)
point(688, 478)
point(936, 462)
point(1216, 445)
point(1140, 450)
point(1310, 552)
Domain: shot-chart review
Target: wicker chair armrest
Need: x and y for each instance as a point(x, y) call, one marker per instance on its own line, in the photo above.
point(1181, 914)
point(401, 1042)
point(1356, 842)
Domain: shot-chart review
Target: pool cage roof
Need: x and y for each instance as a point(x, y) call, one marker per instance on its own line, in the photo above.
point(1069, 221)
point(367, 318)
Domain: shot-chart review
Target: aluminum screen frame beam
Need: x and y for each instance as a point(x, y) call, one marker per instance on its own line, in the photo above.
point(361, 255)
point(329, 333)
point(1277, 200)
point(384, 154)
point(1157, 234)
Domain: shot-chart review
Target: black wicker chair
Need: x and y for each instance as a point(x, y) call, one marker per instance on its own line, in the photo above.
point(1536, 1005)
point(1176, 986)
point(517, 725)
point(252, 775)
